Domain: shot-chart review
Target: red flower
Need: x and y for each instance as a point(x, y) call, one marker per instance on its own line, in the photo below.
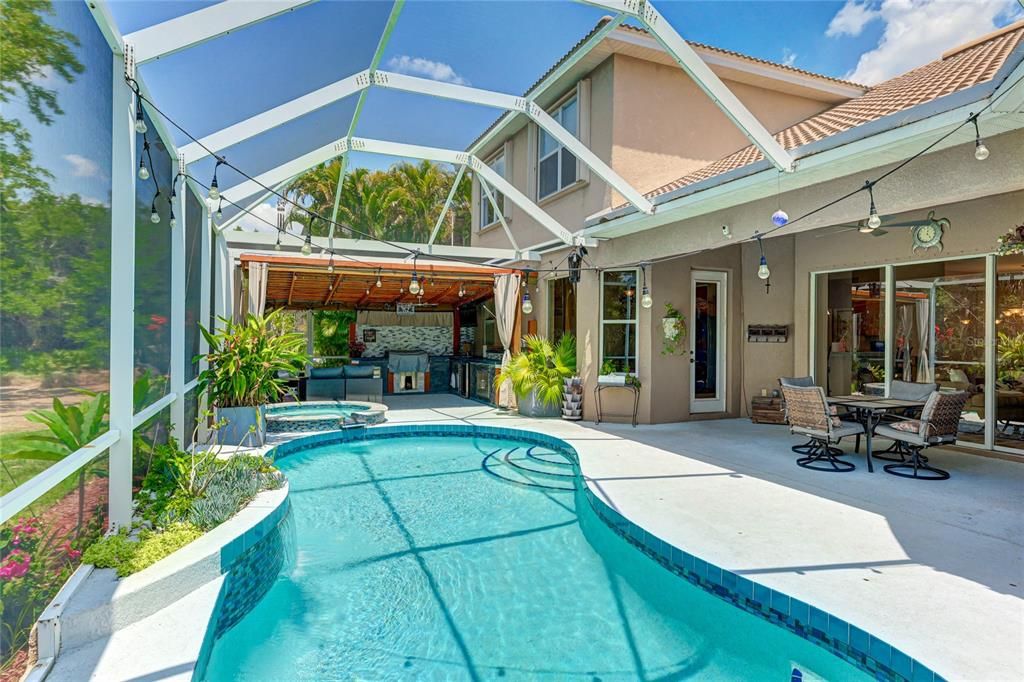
point(158, 319)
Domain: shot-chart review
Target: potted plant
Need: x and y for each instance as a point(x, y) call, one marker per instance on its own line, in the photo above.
point(356, 349)
point(246, 362)
point(538, 374)
point(673, 325)
point(610, 374)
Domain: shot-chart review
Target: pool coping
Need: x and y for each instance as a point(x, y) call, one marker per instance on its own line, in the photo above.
point(98, 604)
point(840, 637)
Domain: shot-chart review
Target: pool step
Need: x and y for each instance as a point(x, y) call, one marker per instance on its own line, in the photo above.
point(505, 465)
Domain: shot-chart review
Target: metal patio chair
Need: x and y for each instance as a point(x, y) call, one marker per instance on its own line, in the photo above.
point(938, 425)
point(799, 382)
point(809, 415)
point(904, 390)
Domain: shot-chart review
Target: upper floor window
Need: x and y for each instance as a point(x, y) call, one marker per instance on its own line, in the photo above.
point(557, 165)
point(487, 213)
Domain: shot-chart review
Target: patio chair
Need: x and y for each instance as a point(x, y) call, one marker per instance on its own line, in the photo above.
point(809, 415)
point(938, 425)
point(904, 390)
point(799, 382)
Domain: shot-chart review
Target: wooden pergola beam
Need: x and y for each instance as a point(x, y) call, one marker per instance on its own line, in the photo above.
point(291, 287)
point(334, 287)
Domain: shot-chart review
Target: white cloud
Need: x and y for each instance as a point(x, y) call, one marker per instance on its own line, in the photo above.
point(851, 19)
point(254, 220)
point(919, 31)
point(82, 166)
point(788, 57)
point(418, 66)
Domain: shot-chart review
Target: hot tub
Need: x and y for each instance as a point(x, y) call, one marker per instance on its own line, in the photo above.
point(323, 415)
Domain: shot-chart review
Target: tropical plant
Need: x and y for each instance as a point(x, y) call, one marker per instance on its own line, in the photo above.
point(1011, 354)
point(131, 556)
point(69, 428)
point(542, 367)
point(245, 359)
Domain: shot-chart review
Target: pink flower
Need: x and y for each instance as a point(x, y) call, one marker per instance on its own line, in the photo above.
point(16, 565)
point(158, 319)
point(71, 551)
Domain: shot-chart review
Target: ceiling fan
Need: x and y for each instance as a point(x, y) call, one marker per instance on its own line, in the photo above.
point(934, 227)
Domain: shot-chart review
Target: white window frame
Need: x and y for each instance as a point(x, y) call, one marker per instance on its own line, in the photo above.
point(485, 207)
point(556, 113)
point(635, 321)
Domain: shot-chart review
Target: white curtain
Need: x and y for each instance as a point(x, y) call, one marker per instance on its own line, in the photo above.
point(905, 330)
point(506, 306)
point(257, 288)
point(924, 329)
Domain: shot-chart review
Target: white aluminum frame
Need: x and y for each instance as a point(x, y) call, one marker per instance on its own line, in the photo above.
point(447, 205)
point(194, 28)
point(499, 212)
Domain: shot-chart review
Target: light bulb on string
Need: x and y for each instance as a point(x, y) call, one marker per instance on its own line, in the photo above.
point(154, 217)
point(214, 192)
point(645, 298)
point(220, 211)
point(462, 292)
point(140, 120)
point(980, 150)
point(379, 283)
point(330, 265)
point(277, 245)
point(762, 269)
point(527, 304)
point(307, 246)
point(874, 221)
point(414, 285)
point(172, 222)
point(143, 171)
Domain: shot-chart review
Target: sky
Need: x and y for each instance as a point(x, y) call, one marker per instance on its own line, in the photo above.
point(496, 45)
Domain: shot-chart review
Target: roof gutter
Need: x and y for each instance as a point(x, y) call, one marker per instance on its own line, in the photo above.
point(684, 198)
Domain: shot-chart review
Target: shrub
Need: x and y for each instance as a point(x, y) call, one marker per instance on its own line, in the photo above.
point(232, 487)
point(128, 555)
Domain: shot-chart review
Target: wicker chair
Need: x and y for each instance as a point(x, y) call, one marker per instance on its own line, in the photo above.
point(799, 382)
point(904, 390)
point(938, 425)
point(808, 414)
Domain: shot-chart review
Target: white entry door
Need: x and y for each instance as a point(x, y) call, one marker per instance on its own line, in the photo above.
point(708, 341)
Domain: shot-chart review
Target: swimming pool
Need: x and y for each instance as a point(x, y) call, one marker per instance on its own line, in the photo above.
point(413, 562)
point(322, 415)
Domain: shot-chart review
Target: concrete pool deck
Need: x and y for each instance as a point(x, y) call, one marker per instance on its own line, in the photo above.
point(934, 568)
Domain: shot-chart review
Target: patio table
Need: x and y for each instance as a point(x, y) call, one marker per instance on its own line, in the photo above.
point(869, 410)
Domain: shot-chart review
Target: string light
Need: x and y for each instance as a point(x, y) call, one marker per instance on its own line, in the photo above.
point(214, 193)
point(980, 150)
point(154, 217)
point(140, 120)
point(143, 171)
point(462, 292)
point(330, 265)
point(379, 283)
point(762, 270)
point(646, 301)
point(874, 221)
point(220, 212)
point(172, 222)
point(307, 246)
point(414, 285)
point(527, 303)
point(277, 245)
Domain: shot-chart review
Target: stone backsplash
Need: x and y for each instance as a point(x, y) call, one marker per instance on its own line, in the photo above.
point(431, 340)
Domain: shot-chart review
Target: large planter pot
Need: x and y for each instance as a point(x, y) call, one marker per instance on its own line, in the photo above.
point(531, 406)
point(239, 422)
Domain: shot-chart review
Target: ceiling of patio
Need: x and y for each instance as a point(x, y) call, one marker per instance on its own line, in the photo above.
point(305, 283)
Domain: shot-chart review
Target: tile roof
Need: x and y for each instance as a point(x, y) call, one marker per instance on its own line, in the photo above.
point(755, 60)
point(978, 62)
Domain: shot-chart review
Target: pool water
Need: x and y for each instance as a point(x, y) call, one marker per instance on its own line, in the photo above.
point(413, 563)
point(336, 410)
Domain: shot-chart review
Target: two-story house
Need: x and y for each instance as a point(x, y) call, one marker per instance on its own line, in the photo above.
point(842, 304)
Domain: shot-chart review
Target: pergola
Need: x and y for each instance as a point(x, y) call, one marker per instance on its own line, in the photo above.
point(307, 283)
point(219, 245)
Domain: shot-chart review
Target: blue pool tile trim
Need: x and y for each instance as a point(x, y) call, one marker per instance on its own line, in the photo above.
point(879, 659)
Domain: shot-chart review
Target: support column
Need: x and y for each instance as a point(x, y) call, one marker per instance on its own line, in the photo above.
point(223, 296)
point(205, 265)
point(178, 427)
point(890, 321)
point(991, 348)
point(122, 299)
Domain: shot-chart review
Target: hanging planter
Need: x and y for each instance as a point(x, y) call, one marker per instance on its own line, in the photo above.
point(673, 326)
point(1012, 243)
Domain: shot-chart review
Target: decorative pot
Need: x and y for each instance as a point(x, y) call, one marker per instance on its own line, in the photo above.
point(246, 426)
point(572, 399)
point(670, 327)
point(531, 406)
